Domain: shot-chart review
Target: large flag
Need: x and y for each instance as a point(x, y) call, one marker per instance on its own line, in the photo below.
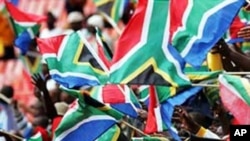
point(234, 93)
point(25, 26)
point(119, 97)
point(197, 25)
point(86, 119)
point(146, 57)
point(113, 8)
point(72, 61)
point(160, 109)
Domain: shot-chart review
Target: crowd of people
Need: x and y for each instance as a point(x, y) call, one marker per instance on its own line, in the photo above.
point(197, 119)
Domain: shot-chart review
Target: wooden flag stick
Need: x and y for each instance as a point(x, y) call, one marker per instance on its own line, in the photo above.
point(134, 128)
point(238, 73)
point(12, 135)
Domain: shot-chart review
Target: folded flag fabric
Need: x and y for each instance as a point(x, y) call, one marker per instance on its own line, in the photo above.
point(163, 91)
point(104, 51)
point(112, 134)
point(147, 58)
point(72, 62)
point(199, 24)
point(234, 93)
point(86, 119)
point(200, 76)
point(25, 26)
point(119, 97)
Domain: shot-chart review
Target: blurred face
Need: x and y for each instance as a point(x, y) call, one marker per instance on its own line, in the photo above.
point(76, 26)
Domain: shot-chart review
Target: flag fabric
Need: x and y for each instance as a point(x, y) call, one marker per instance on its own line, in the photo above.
point(160, 111)
point(86, 120)
point(241, 20)
point(32, 63)
point(25, 26)
point(104, 51)
point(72, 61)
point(163, 91)
point(234, 93)
point(112, 134)
point(36, 137)
point(119, 97)
point(147, 58)
point(144, 94)
point(197, 24)
point(84, 97)
point(200, 76)
point(113, 8)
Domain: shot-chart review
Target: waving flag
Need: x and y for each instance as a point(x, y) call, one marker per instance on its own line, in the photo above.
point(25, 25)
point(197, 25)
point(234, 93)
point(72, 61)
point(119, 97)
point(147, 58)
point(87, 119)
point(161, 109)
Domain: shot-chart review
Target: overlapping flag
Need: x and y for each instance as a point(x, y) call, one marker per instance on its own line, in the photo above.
point(161, 109)
point(197, 25)
point(86, 119)
point(25, 26)
point(234, 94)
point(119, 97)
point(147, 57)
point(73, 63)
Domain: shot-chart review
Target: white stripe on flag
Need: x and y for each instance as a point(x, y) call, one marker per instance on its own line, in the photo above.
point(143, 39)
point(93, 52)
point(158, 119)
point(90, 119)
point(203, 21)
point(67, 74)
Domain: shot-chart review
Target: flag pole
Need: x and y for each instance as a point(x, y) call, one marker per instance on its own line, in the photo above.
point(204, 85)
point(12, 135)
point(134, 128)
point(237, 73)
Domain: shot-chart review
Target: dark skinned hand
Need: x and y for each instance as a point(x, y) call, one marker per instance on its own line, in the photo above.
point(39, 82)
point(187, 123)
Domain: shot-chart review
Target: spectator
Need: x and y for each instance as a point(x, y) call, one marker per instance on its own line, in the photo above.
point(7, 115)
point(51, 28)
